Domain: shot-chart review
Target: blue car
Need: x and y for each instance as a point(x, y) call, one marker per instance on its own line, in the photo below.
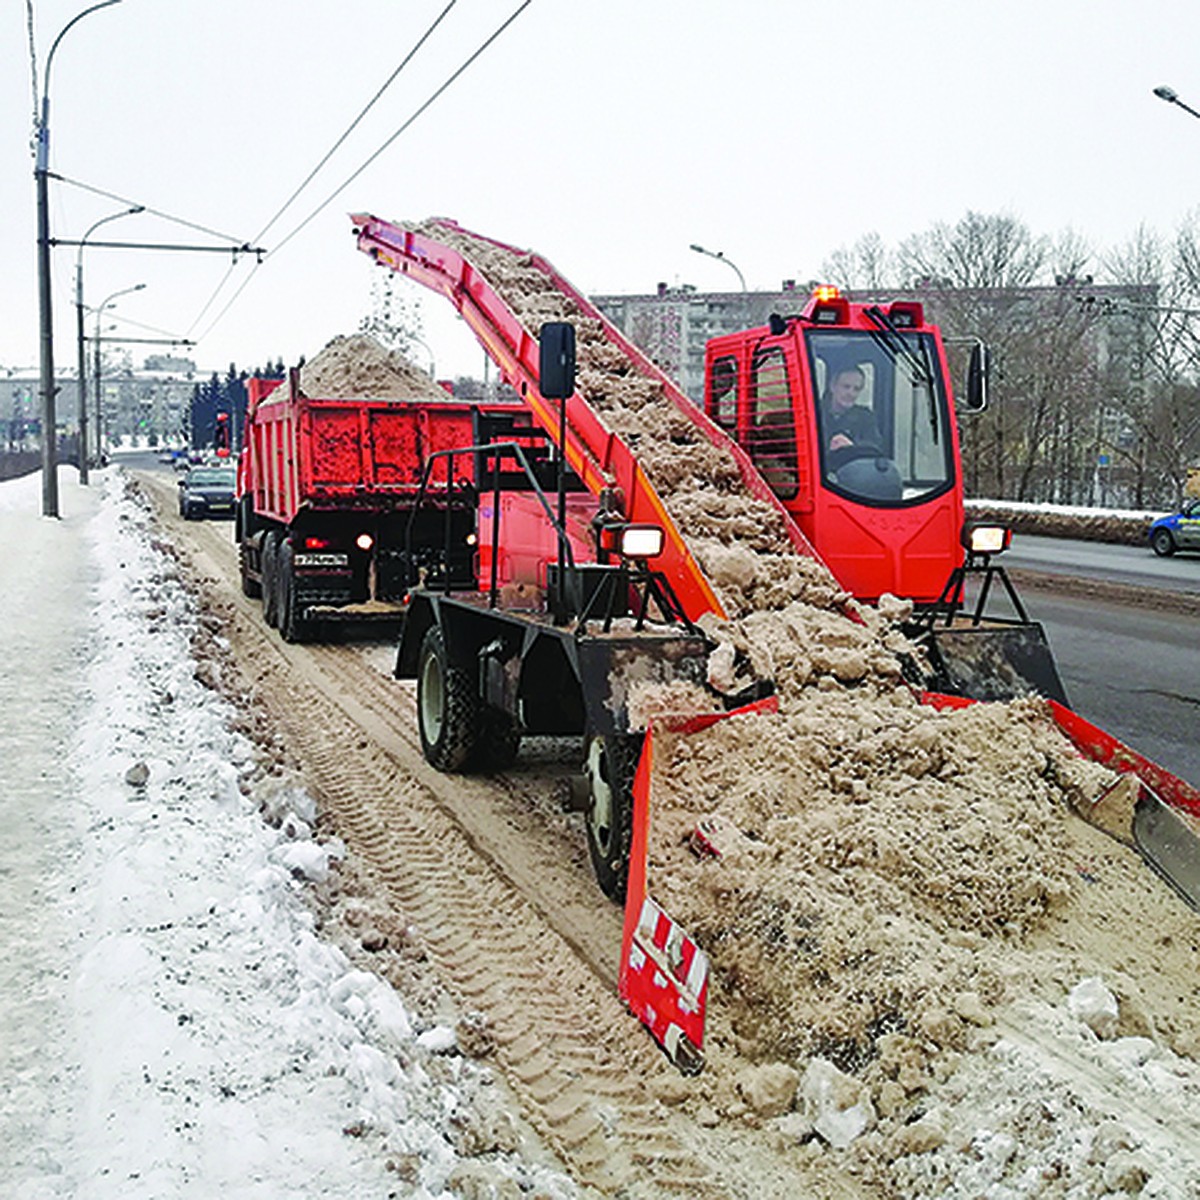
point(1180, 531)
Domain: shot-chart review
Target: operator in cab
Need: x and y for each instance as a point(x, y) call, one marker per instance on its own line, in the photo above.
point(847, 422)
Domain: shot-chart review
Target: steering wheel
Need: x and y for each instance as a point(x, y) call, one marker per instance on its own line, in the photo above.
point(838, 458)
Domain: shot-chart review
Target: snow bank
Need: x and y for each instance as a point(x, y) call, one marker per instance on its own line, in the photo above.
point(202, 1039)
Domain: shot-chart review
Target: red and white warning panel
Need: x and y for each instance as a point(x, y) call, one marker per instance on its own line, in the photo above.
point(664, 973)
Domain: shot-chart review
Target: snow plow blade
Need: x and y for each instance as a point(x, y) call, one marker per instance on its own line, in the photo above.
point(1168, 844)
point(993, 662)
point(1147, 808)
point(664, 974)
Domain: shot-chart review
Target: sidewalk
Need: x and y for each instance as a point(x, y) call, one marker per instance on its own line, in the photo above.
point(45, 576)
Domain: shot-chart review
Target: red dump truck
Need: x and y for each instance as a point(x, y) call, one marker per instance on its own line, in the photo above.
point(328, 524)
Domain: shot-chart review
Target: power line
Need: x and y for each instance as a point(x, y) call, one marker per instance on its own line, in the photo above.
point(351, 178)
point(212, 299)
point(343, 186)
point(354, 124)
point(225, 237)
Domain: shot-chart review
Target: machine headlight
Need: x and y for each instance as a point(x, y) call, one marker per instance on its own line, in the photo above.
point(986, 539)
point(641, 541)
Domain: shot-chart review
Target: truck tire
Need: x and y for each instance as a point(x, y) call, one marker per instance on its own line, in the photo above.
point(292, 627)
point(448, 715)
point(610, 765)
point(270, 579)
point(1163, 542)
point(243, 530)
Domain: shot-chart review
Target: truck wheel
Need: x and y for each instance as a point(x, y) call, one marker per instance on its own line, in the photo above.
point(250, 587)
point(1163, 542)
point(270, 579)
point(292, 627)
point(610, 766)
point(447, 707)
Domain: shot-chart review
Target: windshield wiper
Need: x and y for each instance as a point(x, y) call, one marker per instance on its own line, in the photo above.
point(898, 346)
point(887, 331)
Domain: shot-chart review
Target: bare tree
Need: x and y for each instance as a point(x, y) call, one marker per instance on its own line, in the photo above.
point(978, 251)
point(868, 265)
point(1152, 373)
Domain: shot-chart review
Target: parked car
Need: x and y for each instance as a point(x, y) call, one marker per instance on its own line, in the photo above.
point(1179, 531)
point(207, 492)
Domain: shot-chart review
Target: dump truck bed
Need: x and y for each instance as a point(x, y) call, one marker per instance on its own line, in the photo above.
point(343, 454)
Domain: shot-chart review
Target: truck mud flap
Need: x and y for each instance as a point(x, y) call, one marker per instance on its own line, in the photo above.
point(985, 662)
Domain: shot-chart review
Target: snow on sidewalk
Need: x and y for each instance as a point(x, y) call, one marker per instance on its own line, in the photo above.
point(171, 1026)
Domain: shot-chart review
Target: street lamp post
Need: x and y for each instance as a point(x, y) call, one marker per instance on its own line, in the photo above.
point(1171, 97)
point(108, 303)
point(720, 257)
point(82, 359)
point(412, 337)
point(45, 318)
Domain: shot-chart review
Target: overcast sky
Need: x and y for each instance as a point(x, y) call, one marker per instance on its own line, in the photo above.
point(606, 135)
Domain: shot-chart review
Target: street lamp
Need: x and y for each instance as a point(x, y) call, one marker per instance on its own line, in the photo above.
point(720, 257)
point(412, 337)
point(108, 303)
point(45, 319)
point(83, 417)
point(1169, 95)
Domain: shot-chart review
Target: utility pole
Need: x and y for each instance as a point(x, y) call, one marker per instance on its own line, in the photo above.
point(82, 367)
point(45, 312)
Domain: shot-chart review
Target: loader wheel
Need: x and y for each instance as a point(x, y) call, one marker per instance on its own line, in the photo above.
point(270, 576)
point(292, 627)
point(498, 742)
point(447, 708)
point(609, 767)
point(1163, 542)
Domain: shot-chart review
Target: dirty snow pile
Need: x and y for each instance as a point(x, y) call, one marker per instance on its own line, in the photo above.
point(171, 1024)
point(358, 365)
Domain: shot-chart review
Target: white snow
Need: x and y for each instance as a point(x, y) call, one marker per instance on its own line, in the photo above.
point(170, 1025)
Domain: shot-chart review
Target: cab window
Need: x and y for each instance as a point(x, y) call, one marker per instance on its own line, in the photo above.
point(771, 439)
point(882, 416)
point(722, 393)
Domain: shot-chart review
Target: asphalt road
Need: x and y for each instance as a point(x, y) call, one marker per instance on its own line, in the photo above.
point(1129, 666)
point(1135, 565)
point(1134, 672)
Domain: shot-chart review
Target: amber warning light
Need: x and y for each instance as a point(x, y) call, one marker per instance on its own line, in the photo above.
point(826, 292)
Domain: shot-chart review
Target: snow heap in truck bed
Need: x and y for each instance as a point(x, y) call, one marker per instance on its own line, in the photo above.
point(895, 882)
point(357, 365)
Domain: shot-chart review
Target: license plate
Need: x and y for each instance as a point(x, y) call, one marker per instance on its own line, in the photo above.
point(322, 560)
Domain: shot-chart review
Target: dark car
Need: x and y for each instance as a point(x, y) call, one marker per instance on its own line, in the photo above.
point(1179, 531)
point(207, 492)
